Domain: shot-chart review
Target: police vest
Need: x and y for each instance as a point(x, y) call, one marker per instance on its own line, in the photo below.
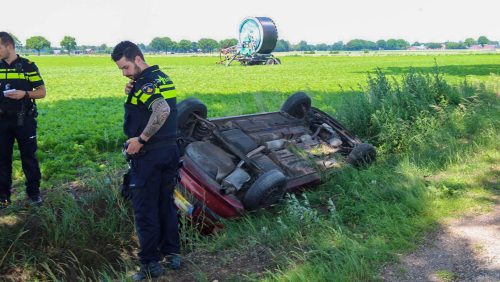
point(21, 74)
point(151, 85)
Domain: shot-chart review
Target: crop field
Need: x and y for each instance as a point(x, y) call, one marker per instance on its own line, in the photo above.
point(80, 119)
point(435, 160)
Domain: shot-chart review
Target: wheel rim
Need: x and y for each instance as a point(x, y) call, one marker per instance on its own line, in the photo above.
point(271, 196)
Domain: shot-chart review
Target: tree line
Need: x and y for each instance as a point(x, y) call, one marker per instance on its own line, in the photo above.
point(166, 44)
point(390, 44)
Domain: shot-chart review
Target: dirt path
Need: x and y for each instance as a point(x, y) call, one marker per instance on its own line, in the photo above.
point(465, 249)
point(222, 266)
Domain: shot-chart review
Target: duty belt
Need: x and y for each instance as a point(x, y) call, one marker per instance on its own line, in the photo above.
point(159, 144)
point(149, 147)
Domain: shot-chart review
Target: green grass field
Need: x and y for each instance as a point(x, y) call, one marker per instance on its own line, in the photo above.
point(345, 229)
point(85, 91)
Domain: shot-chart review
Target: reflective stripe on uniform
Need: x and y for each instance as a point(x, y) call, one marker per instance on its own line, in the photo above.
point(169, 94)
point(133, 100)
point(166, 87)
point(34, 78)
point(141, 96)
point(144, 97)
point(14, 75)
point(168, 90)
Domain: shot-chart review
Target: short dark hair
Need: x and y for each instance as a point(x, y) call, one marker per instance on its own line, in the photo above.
point(7, 39)
point(126, 49)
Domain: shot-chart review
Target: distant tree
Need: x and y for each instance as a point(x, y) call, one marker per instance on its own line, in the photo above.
point(159, 44)
point(194, 46)
point(469, 42)
point(302, 46)
point(321, 47)
point(185, 45)
point(355, 44)
point(228, 42)
point(282, 46)
point(416, 43)
point(174, 46)
point(337, 46)
point(397, 44)
point(171, 45)
point(103, 48)
point(403, 44)
point(37, 43)
point(208, 44)
point(483, 40)
point(69, 43)
point(381, 44)
point(433, 45)
point(359, 44)
point(392, 44)
point(90, 49)
point(455, 45)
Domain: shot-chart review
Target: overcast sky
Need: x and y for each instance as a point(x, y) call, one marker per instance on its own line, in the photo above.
point(94, 22)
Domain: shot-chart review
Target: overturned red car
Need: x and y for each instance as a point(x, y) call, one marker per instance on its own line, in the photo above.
point(247, 162)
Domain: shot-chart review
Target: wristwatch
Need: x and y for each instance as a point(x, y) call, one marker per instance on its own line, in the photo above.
point(142, 141)
point(26, 94)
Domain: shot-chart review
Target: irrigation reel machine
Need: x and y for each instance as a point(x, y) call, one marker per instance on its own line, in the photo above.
point(257, 39)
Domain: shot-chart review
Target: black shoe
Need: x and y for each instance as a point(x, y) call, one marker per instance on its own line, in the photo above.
point(173, 261)
point(35, 200)
point(4, 201)
point(148, 271)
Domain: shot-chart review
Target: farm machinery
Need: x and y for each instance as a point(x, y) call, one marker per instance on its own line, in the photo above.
point(257, 39)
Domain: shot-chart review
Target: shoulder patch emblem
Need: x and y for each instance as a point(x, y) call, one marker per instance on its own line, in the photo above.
point(148, 88)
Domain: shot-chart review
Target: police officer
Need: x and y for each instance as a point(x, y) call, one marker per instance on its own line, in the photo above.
point(20, 85)
point(150, 125)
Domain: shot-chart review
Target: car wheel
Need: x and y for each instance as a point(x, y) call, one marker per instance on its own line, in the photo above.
point(266, 190)
point(362, 154)
point(270, 62)
point(185, 111)
point(297, 105)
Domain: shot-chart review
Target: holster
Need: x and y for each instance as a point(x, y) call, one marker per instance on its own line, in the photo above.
point(125, 187)
point(33, 111)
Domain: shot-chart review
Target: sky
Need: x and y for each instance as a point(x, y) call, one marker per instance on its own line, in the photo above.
point(93, 22)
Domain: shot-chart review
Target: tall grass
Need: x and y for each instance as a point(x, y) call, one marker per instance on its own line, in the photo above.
point(397, 114)
point(72, 236)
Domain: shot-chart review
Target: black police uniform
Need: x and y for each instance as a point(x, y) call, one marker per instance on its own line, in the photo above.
point(17, 122)
point(153, 174)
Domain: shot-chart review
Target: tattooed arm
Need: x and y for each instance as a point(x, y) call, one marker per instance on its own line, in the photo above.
point(161, 111)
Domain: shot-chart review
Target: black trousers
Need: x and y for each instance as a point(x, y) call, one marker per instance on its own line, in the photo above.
point(25, 136)
point(152, 181)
